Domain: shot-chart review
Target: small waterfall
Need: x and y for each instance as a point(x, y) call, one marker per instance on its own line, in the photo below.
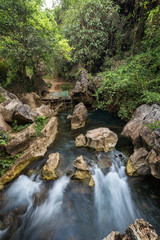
point(43, 221)
point(22, 191)
point(114, 206)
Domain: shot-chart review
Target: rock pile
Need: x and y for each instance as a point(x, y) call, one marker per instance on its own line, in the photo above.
point(144, 131)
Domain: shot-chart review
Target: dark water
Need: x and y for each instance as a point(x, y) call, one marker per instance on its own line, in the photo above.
point(68, 209)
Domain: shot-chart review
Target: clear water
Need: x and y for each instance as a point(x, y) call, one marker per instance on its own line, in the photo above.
point(66, 209)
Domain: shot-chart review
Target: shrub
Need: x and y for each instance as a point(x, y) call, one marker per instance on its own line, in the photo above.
point(41, 121)
point(134, 83)
point(7, 161)
point(4, 137)
point(17, 128)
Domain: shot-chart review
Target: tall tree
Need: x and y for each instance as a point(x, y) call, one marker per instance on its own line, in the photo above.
point(29, 36)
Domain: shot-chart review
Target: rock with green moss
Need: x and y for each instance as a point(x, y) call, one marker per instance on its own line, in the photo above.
point(37, 148)
point(49, 170)
point(82, 171)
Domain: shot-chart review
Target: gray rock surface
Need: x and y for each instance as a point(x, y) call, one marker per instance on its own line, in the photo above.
point(79, 116)
point(138, 130)
point(49, 169)
point(100, 139)
point(139, 230)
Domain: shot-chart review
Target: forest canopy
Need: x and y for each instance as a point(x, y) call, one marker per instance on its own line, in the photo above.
point(117, 41)
point(29, 37)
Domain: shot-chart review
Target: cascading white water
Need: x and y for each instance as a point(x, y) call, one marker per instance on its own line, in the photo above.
point(42, 220)
point(114, 206)
point(22, 191)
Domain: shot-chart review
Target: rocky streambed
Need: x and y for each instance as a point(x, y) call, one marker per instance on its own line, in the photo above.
point(68, 208)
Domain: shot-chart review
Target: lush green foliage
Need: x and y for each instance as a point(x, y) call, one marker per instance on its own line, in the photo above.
point(89, 26)
point(2, 98)
point(29, 37)
point(153, 125)
point(4, 137)
point(137, 80)
point(66, 87)
point(134, 83)
point(7, 161)
point(41, 121)
point(17, 128)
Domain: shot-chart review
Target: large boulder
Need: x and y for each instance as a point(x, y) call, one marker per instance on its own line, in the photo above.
point(100, 139)
point(139, 230)
point(49, 169)
point(3, 125)
point(142, 136)
point(24, 114)
point(81, 92)
point(31, 99)
point(137, 164)
point(37, 148)
point(82, 171)
point(20, 140)
point(8, 109)
point(7, 95)
point(15, 110)
point(79, 116)
point(154, 163)
point(45, 110)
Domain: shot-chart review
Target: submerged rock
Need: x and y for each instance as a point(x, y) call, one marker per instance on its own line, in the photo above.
point(139, 230)
point(79, 116)
point(138, 130)
point(36, 149)
point(49, 170)
point(104, 161)
point(82, 172)
point(100, 139)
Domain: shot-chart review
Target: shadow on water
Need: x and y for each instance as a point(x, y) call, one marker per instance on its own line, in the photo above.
point(71, 210)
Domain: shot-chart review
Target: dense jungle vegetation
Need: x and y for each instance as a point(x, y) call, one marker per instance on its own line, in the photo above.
point(117, 40)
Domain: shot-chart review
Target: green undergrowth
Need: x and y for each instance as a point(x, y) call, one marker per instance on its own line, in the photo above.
point(153, 125)
point(66, 87)
point(7, 161)
point(2, 98)
point(135, 82)
point(17, 128)
point(41, 121)
point(4, 138)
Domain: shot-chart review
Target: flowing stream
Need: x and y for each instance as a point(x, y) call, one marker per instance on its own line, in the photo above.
point(114, 206)
point(66, 209)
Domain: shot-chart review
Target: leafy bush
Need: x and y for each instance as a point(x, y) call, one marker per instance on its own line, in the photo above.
point(41, 121)
point(3, 71)
point(18, 128)
point(4, 137)
point(153, 125)
point(132, 84)
point(66, 87)
point(7, 161)
point(2, 98)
